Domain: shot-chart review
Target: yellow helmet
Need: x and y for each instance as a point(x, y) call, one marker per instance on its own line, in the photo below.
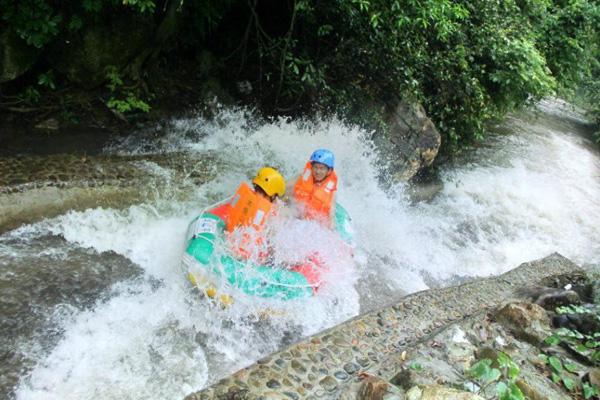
point(271, 181)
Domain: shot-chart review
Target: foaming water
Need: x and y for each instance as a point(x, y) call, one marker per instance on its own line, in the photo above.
point(148, 335)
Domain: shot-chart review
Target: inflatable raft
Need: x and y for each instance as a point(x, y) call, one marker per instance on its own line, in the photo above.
point(219, 276)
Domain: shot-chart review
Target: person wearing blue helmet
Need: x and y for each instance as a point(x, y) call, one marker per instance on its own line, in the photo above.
point(315, 190)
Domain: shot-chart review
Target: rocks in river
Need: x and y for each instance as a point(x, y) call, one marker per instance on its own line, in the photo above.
point(16, 57)
point(437, 392)
point(527, 321)
point(375, 388)
point(426, 347)
point(411, 142)
point(550, 298)
point(50, 124)
point(584, 322)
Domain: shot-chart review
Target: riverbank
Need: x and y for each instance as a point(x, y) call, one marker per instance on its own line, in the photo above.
point(428, 344)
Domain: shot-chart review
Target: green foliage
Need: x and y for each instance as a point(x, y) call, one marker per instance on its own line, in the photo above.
point(587, 345)
point(415, 366)
point(572, 309)
point(509, 391)
point(589, 391)
point(505, 376)
point(129, 104)
point(466, 61)
point(47, 80)
point(113, 77)
point(484, 372)
point(35, 21)
point(122, 99)
point(30, 95)
point(141, 5)
point(38, 22)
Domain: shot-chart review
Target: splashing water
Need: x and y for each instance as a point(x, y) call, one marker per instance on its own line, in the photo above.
point(148, 335)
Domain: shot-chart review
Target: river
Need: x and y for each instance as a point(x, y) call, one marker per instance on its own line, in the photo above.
point(94, 303)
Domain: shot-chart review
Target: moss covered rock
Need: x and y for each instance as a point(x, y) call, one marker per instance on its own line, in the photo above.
point(16, 57)
point(84, 57)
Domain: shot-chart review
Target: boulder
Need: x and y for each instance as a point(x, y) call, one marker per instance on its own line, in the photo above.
point(527, 321)
point(83, 57)
point(536, 389)
point(16, 56)
point(411, 142)
point(437, 392)
point(374, 388)
point(593, 377)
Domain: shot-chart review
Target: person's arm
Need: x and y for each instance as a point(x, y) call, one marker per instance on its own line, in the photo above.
point(289, 189)
point(332, 210)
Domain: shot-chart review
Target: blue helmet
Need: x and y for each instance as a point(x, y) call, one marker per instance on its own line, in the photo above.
point(323, 156)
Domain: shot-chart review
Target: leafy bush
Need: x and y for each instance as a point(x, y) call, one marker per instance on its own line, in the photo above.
point(466, 61)
point(504, 376)
point(122, 99)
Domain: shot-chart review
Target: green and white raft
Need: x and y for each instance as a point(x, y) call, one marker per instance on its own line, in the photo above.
point(220, 276)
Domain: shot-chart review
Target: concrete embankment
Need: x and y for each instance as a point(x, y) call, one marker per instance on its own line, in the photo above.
point(36, 187)
point(374, 347)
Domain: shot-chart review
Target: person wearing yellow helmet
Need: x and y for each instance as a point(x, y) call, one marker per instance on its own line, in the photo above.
point(269, 183)
point(251, 207)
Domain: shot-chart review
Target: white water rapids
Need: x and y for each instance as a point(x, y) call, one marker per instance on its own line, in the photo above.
point(525, 194)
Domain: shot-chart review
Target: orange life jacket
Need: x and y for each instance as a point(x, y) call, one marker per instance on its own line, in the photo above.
point(248, 209)
point(316, 198)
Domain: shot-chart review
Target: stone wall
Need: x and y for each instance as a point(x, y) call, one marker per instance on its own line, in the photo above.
point(328, 364)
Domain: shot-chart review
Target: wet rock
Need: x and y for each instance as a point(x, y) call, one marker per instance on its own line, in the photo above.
point(404, 378)
point(558, 298)
point(49, 124)
point(458, 306)
point(459, 348)
point(292, 395)
point(328, 383)
point(374, 388)
point(593, 377)
point(411, 143)
point(586, 323)
point(528, 322)
point(351, 368)
point(16, 56)
point(489, 353)
point(83, 58)
point(437, 392)
point(273, 384)
point(533, 389)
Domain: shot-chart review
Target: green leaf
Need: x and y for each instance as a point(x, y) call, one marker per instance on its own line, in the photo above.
point(581, 348)
point(502, 390)
point(482, 370)
point(75, 23)
point(415, 366)
point(552, 340)
point(92, 5)
point(571, 367)
point(555, 363)
point(515, 392)
point(589, 390)
point(509, 392)
point(591, 344)
point(47, 80)
point(506, 362)
point(569, 383)
point(555, 377)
